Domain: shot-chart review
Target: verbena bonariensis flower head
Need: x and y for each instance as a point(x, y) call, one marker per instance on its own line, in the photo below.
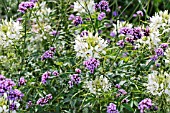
point(146, 32)
point(91, 64)
point(44, 100)
point(22, 81)
point(15, 95)
point(2, 77)
point(45, 76)
point(112, 108)
point(103, 6)
point(126, 31)
point(71, 17)
point(154, 58)
point(23, 6)
point(145, 104)
point(77, 20)
point(101, 16)
point(140, 13)
point(13, 106)
point(159, 52)
point(29, 104)
point(8, 84)
point(122, 92)
point(164, 46)
point(48, 54)
point(137, 34)
point(75, 79)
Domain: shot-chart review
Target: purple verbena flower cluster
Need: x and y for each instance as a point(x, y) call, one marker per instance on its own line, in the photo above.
point(5, 85)
point(13, 106)
point(121, 43)
point(76, 20)
point(15, 95)
point(48, 54)
point(44, 100)
point(45, 76)
point(55, 73)
point(29, 104)
point(102, 6)
point(145, 104)
point(23, 6)
point(74, 79)
point(34, 1)
point(138, 13)
point(91, 64)
point(112, 108)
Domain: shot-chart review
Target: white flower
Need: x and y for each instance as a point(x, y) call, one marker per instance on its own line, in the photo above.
point(90, 46)
point(99, 85)
point(83, 6)
point(9, 32)
point(158, 83)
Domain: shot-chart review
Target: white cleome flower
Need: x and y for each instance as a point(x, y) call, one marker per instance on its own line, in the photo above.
point(9, 32)
point(90, 46)
point(99, 85)
point(158, 83)
point(83, 6)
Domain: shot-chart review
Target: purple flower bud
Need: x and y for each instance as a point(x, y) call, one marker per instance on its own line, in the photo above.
point(77, 20)
point(45, 76)
point(101, 16)
point(117, 86)
point(49, 96)
point(29, 104)
point(112, 34)
point(115, 13)
point(125, 100)
point(84, 33)
point(122, 92)
point(22, 81)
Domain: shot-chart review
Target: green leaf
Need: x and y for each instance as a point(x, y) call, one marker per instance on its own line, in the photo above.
point(128, 107)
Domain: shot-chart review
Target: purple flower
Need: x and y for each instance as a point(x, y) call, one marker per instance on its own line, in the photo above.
point(15, 95)
point(140, 13)
point(117, 86)
point(155, 108)
point(115, 13)
point(2, 77)
point(126, 31)
point(48, 54)
point(164, 45)
point(77, 20)
point(34, 1)
point(145, 104)
point(122, 92)
point(71, 17)
point(54, 33)
point(146, 32)
point(23, 6)
point(112, 108)
point(2, 92)
point(154, 58)
point(55, 73)
point(29, 104)
point(49, 96)
point(45, 76)
point(137, 34)
point(84, 33)
point(103, 6)
point(70, 84)
point(125, 100)
point(101, 16)
point(77, 70)
point(121, 43)
point(8, 84)
point(129, 40)
point(13, 107)
point(112, 34)
point(42, 101)
point(159, 52)
point(19, 20)
point(91, 64)
point(22, 81)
